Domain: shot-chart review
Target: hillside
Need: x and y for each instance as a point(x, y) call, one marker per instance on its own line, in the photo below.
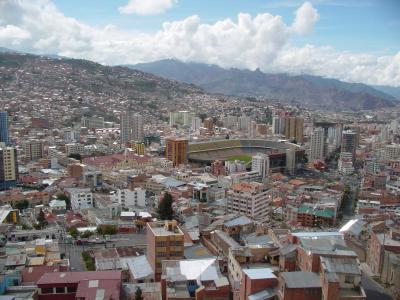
point(70, 84)
point(311, 91)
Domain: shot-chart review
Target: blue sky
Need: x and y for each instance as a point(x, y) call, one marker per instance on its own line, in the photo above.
point(347, 25)
point(350, 40)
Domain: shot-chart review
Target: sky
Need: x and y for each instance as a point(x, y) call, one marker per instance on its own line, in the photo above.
point(351, 40)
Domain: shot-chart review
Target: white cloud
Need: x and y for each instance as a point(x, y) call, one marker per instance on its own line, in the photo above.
point(306, 16)
point(261, 41)
point(13, 35)
point(146, 7)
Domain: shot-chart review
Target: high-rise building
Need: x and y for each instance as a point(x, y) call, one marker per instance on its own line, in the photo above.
point(317, 144)
point(4, 127)
point(243, 122)
point(391, 152)
point(93, 122)
point(33, 149)
point(131, 127)
point(8, 167)
point(196, 123)
point(182, 117)
point(251, 199)
point(294, 129)
point(71, 135)
point(278, 125)
point(349, 143)
point(252, 129)
point(138, 147)
point(209, 124)
point(165, 241)
point(176, 150)
point(260, 164)
point(230, 122)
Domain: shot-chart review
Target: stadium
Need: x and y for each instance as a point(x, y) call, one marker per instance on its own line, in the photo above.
point(206, 152)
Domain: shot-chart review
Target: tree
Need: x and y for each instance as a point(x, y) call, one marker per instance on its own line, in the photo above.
point(165, 210)
point(41, 219)
point(73, 232)
point(106, 229)
point(21, 205)
point(66, 199)
point(138, 294)
point(76, 156)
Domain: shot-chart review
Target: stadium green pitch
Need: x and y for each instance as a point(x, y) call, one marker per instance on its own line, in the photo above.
point(245, 158)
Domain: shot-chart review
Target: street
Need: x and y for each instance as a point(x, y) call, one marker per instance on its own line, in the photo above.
point(373, 290)
point(74, 252)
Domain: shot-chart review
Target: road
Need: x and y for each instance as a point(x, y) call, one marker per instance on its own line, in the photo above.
point(373, 290)
point(74, 252)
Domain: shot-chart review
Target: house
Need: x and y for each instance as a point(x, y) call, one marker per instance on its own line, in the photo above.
point(299, 286)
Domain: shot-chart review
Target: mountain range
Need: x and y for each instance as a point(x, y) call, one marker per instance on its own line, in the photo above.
point(307, 90)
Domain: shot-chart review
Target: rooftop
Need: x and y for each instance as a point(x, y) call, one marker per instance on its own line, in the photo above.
point(261, 273)
point(295, 280)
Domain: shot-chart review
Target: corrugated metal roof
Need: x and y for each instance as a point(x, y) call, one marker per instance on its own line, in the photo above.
point(261, 273)
point(301, 279)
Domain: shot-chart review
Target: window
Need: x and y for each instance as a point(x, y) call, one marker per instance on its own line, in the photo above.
point(71, 289)
point(60, 290)
point(47, 290)
point(348, 279)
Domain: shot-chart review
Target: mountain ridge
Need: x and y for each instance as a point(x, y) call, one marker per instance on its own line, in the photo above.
point(308, 90)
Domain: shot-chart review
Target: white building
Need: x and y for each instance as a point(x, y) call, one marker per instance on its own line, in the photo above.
point(234, 166)
point(260, 164)
point(182, 117)
point(391, 152)
point(230, 122)
point(317, 144)
point(252, 129)
point(74, 148)
point(345, 165)
point(196, 123)
point(243, 122)
point(81, 198)
point(93, 122)
point(71, 135)
point(278, 125)
point(131, 198)
point(251, 199)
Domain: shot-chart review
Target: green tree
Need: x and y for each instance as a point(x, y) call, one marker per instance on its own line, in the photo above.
point(66, 199)
point(73, 232)
point(106, 229)
point(76, 156)
point(165, 210)
point(138, 294)
point(21, 205)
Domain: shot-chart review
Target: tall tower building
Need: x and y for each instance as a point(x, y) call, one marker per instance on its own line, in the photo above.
point(349, 143)
point(33, 149)
point(260, 164)
point(294, 129)
point(4, 127)
point(131, 127)
point(317, 144)
point(8, 167)
point(196, 123)
point(252, 129)
point(176, 150)
point(278, 125)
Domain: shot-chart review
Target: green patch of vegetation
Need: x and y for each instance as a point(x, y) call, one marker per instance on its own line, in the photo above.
point(245, 158)
point(106, 229)
point(89, 261)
